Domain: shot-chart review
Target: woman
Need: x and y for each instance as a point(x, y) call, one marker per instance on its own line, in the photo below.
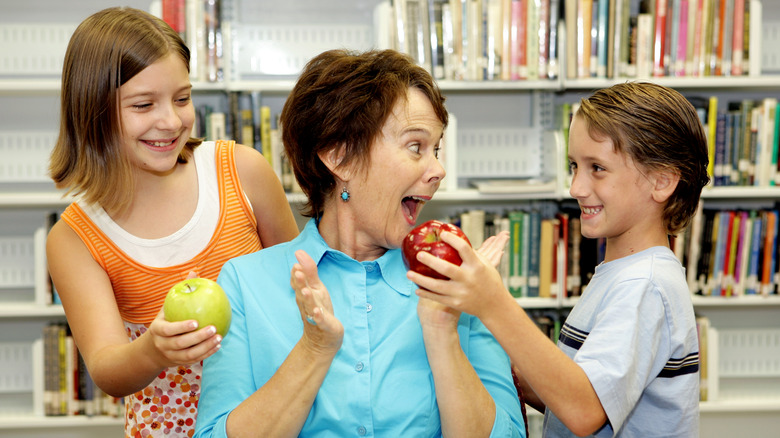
point(341, 345)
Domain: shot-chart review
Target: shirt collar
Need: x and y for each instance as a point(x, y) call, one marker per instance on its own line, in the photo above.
point(391, 265)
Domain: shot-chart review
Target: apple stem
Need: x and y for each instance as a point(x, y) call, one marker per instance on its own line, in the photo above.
point(189, 288)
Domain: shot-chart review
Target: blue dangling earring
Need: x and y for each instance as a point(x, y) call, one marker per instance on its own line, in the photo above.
point(345, 194)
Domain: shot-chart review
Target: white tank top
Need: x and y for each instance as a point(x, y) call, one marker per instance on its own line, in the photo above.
point(185, 243)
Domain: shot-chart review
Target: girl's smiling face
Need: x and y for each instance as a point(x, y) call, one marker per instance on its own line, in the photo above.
point(615, 196)
point(157, 115)
point(403, 173)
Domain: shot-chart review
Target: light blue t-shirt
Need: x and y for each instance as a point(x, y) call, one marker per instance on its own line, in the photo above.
point(380, 383)
point(633, 332)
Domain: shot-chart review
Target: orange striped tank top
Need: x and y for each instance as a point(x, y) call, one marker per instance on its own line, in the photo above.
point(167, 407)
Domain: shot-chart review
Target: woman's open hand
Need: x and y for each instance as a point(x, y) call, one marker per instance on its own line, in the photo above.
point(321, 329)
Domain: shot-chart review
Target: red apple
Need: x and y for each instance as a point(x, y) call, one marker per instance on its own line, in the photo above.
point(425, 237)
point(200, 299)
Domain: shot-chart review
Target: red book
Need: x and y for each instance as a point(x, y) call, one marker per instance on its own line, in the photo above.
point(659, 43)
point(737, 37)
point(517, 37)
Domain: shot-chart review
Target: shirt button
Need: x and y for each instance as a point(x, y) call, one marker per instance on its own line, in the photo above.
point(369, 307)
point(359, 366)
point(370, 268)
point(361, 431)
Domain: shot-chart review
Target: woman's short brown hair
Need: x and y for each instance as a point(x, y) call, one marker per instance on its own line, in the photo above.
point(659, 129)
point(107, 49)
point(342, 99)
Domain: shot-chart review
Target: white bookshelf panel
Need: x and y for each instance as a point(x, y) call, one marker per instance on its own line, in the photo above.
point(15, 367)
point(25, 156)
point(749, 364)
point(750, 353)
point(500, 153)
point(270, 50)
point(33, 49)
point(17, 262)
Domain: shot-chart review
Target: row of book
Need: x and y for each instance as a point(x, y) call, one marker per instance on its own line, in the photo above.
point(68, 389)
point(732, 252)
point(725, 252)
point(629, 38)
point(479, 39)
point(250, 124)
point(199, 23)
point(742, 140)
point(546, 255)
point(530, 39)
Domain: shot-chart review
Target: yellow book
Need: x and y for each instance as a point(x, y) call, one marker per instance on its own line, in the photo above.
point(265, 133)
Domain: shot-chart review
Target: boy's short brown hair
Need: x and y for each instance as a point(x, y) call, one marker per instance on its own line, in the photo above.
point(660, 130)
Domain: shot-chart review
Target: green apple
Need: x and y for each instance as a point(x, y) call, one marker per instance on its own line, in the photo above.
point(200, 299)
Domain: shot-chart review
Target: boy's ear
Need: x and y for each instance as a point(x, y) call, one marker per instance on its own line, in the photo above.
point(664, 185)
point(332, 159)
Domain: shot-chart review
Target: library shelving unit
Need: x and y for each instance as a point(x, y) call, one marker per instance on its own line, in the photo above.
point(502, 131)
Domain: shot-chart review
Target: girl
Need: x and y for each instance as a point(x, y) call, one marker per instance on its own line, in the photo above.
point(153, 207)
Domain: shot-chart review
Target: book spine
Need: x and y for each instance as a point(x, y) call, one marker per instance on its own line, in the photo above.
point(534, 246)
point(737, 37)
point(659, 41)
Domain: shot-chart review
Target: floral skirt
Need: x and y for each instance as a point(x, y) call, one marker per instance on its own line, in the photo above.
point(168, 406)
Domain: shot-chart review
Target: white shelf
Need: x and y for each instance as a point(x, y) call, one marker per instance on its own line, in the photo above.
point(736, 301)
point(22, 86)
point(41, 422)
point(29, 310)
point(34, 199)
point(755, 405)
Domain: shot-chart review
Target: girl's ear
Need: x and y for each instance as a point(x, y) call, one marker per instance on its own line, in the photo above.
point(332, 159)
point(665, 183)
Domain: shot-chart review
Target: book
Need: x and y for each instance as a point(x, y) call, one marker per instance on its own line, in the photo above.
point(743, 252)
point(571, 15)
point(719, 166)
point(553, 40)
point(659, 40)
point(518, 40)
point(768, 252)
point(534, 248)
point(436, 37)
point(265, 134)
point(216, 126)
point(562, 255)
point(644, 46)
point(574, 281)
point(737, 37)
point(516, 281)
point(213, 55)
point(606, 37)
point(752, 274)
point(711, 130)
point(584, 39)
point(547, 251)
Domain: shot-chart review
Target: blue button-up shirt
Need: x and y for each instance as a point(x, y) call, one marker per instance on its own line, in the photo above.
point(380, 382)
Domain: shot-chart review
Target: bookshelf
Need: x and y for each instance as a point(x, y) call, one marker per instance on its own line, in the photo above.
point(483, 109)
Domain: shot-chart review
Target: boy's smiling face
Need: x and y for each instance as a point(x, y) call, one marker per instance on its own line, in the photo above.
point(615, 196)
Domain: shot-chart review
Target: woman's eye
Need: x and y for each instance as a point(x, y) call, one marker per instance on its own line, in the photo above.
point(142, 105)
point(415, 148)
point(436, 151)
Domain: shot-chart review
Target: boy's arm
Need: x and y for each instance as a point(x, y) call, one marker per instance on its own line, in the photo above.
point(554, 380)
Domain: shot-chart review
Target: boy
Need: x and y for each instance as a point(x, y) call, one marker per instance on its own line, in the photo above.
point(627, 357)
